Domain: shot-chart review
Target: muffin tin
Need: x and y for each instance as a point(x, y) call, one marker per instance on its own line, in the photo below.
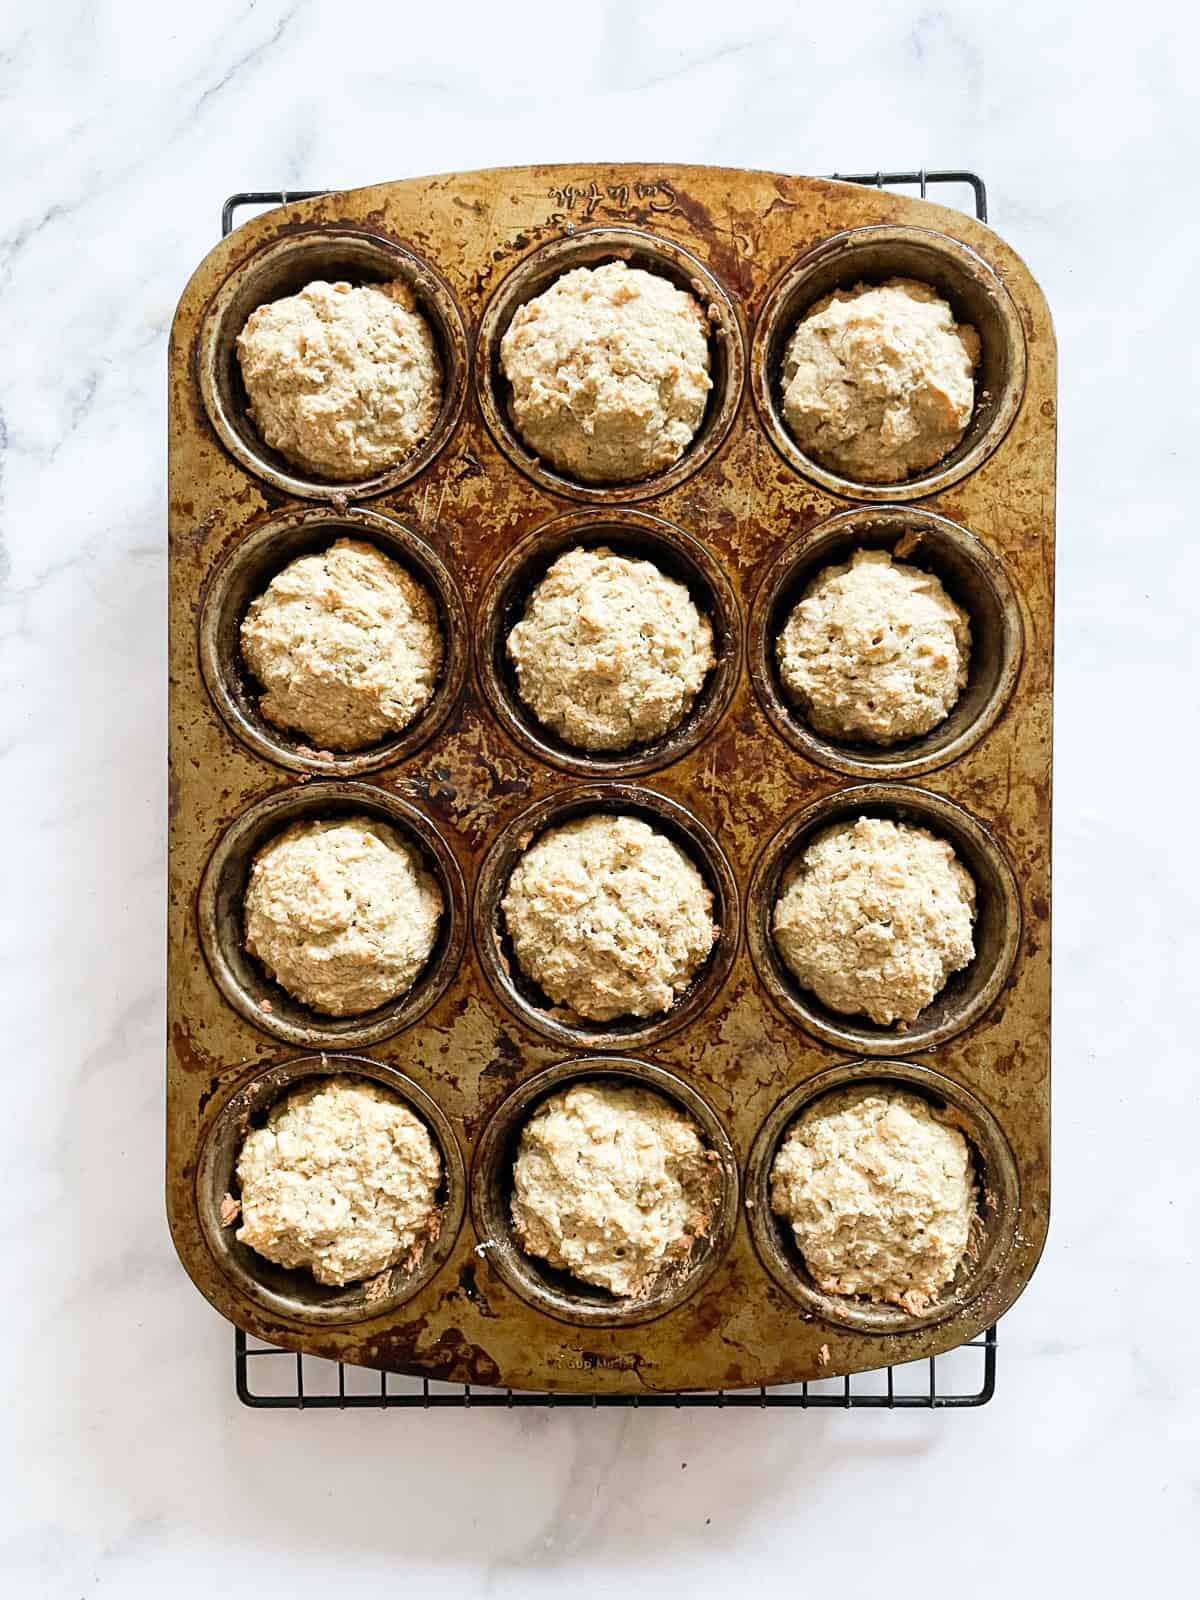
point(743, 519)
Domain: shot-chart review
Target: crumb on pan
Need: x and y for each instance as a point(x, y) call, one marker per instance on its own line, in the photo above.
point(379, 1287)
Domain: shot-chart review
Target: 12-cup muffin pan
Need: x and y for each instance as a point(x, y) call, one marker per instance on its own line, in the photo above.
point(745, 520)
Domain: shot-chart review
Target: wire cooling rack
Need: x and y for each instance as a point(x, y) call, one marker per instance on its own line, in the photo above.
point(273, 1379)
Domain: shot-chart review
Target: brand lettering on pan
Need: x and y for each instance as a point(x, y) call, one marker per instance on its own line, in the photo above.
point(588, 1360)
point(657, 195)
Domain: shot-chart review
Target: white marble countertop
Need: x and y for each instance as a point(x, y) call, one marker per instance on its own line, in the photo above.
point(130, 1468)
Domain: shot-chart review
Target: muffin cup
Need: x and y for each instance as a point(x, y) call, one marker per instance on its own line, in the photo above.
point(636, 535)
point(873, 255)
point(558, 1293)
point(293, 1292)
point(971, 576)
point(245, 573)
point(592, 247)
point(247, 986)
point(329, 253)
point(998, 1197)
point(523, 997)
point(967, 995)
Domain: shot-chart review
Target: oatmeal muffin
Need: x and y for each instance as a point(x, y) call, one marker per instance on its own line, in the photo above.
point(346, 645)
point(610, 652)
point(342, 381)
point(342, 1180)
point(613, 1184)
point(608, 371)
point(879, 382)
point(343, 915)
point(880, 1194)
point(609, 917)
point(875, 918)
point(876, 650)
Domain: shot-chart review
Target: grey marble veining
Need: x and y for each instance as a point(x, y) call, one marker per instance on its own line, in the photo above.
point(130, 1469)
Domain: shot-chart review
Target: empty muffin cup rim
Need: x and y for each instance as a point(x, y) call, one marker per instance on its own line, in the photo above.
point(229, 417)
point(969, 1000)
point(490, 1186)
point(791, 296)
point(883, 527)
point(642, 533)
point(669, 816)
point(244, 984)
point(220, 1146)
point(998, 1198)
point(593, 246)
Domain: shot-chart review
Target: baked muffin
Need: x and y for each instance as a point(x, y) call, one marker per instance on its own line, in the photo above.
point(613, 1184)
point(346, 645)
point(344, 382)
point(342, 914)
point(342, 1181)
point(880, 1193)
point(608, 372)
point(879, 381)
point(876, 650)
point(875, 917)
point(609, 917)
point(610, 652)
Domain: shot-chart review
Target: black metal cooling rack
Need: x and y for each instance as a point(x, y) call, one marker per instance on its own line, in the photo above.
point(273, 1379)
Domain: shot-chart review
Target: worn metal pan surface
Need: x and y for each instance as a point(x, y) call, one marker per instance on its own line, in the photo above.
point(743, 517)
